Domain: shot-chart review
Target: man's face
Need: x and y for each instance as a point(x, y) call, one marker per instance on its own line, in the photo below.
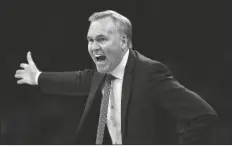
point(104, 45)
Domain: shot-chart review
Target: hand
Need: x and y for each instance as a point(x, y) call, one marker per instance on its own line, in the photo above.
point(28, 74)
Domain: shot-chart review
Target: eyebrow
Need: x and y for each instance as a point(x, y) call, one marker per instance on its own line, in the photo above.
point(100, 35)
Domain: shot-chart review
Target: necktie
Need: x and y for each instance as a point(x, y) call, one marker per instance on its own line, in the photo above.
point(104, 108)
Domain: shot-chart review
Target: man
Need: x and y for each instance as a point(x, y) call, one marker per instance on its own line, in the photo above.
point(141, 104)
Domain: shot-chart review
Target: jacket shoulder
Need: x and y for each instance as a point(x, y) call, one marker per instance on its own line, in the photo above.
point(153, 66)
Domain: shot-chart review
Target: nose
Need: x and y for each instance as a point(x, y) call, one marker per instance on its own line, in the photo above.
point(95, 46)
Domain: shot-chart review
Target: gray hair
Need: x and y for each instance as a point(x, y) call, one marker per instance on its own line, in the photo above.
point(122, 24)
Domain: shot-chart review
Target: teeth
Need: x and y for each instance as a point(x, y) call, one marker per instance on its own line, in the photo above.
point(97, 55)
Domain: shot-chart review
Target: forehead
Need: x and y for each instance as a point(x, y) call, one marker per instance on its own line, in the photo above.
point(103, 26)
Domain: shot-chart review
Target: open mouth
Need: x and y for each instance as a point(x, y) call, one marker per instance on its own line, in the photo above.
point(100, 58)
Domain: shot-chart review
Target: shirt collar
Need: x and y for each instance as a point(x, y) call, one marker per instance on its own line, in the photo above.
point(118, 72)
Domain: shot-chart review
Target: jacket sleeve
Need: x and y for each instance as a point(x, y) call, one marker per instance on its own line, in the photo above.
point(66, 83)
point(193, 115)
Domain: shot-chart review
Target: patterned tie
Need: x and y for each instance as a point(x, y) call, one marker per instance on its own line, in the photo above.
point(104, 108)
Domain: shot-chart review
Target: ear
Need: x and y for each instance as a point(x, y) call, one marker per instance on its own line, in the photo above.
point(124, 42)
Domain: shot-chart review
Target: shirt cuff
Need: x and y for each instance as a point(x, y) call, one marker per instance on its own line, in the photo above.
point(37, 77)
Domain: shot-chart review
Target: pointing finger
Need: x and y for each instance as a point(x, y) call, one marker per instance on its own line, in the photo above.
point(29, 58)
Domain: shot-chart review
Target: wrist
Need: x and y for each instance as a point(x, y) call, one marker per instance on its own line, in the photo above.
point(37, 77)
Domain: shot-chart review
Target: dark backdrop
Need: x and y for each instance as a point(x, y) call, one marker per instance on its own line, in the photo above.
point(193, 38)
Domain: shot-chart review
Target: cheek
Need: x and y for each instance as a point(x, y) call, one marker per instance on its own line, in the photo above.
point(89, 48)
point(90, 51)
point(113, 58)
point(112, 51)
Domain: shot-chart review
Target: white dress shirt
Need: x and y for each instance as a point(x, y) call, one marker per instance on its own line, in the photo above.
point(114, 108)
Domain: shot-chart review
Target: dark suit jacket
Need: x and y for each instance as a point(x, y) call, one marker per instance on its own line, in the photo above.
point(155, 108)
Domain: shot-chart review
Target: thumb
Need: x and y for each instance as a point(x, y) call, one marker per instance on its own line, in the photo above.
point(29, 58)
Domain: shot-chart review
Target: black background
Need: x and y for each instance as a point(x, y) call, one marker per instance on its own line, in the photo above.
point(193, 38)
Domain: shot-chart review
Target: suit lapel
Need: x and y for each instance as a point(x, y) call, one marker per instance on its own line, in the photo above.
point(126, 89)
point(97, 80)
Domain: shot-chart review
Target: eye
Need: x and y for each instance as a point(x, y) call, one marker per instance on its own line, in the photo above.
point(90, 41)
point(101, 39)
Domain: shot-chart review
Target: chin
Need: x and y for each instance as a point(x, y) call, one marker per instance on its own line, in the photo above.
point(103, 70)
